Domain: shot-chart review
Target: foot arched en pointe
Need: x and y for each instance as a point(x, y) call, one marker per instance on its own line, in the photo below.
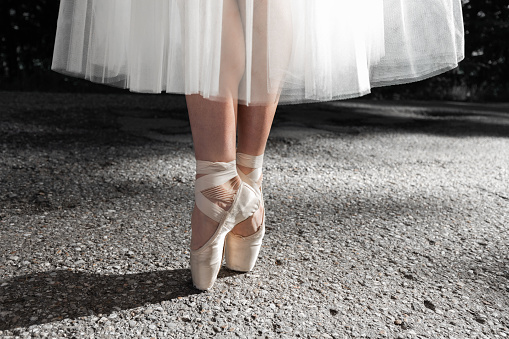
point(242, 250)
point(221, 196)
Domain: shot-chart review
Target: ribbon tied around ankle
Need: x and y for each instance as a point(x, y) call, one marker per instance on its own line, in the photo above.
point(209, 186)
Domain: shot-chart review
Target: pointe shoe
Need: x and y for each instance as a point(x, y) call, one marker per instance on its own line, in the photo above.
point(242, 252)
point(206, 261)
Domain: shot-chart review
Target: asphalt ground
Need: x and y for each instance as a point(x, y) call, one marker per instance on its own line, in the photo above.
point(384, 220)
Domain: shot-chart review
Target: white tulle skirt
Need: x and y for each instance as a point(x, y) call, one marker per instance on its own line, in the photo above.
point(258, 51)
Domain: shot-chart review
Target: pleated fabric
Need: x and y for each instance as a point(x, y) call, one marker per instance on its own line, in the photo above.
point(258, 51)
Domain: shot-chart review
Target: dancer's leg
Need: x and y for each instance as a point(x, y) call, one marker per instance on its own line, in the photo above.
point(213, 127)
point(253, 125)
point(254, 122)
point(213, 123)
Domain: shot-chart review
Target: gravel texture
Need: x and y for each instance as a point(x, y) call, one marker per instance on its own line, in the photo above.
point(383, 221)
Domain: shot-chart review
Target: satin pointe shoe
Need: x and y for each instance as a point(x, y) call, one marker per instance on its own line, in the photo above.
point(241, 252)
point(220, 183)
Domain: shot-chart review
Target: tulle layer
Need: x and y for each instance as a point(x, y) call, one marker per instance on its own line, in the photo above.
point(258, 51)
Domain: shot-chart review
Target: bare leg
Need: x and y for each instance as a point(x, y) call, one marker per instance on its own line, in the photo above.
point(254, 125)
point(213, 126)
point(254, 122)
point(217, 124)
point(213, 123)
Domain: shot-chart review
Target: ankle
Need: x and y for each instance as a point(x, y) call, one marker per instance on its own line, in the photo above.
point(249, 160)
point(244, 169)
point(249, 168)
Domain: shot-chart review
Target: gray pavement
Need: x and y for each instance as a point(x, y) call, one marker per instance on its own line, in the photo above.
point(385, 220)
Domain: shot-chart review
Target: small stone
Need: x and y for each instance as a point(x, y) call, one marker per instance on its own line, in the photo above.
point(430, 305)
point(480, 320)
point(398, 322)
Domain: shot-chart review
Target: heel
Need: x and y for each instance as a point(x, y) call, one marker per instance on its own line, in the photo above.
point(241, 252)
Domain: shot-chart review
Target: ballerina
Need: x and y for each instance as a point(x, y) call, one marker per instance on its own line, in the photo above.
point(236, 61)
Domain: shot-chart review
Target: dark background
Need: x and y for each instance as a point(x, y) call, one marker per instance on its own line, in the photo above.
point(27, 32)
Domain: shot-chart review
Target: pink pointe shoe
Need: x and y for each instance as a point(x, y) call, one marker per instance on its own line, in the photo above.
point(242, 252)
point(243, 200)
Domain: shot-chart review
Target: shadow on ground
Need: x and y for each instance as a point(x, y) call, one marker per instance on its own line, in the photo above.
point(54, 295)
point(384, 117)
point(58, 120)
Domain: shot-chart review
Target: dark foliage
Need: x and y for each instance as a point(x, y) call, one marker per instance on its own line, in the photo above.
point(27, 31)
point(487, 34)
point(27, 36)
